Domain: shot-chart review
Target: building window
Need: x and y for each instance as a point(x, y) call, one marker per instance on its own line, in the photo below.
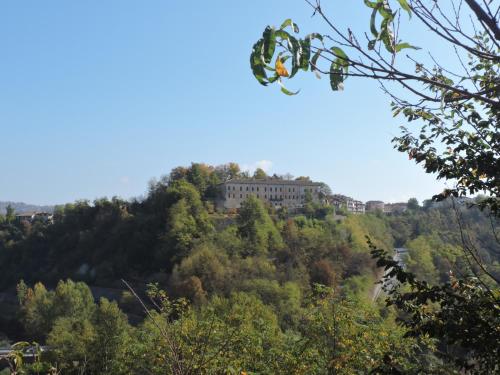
point(257, 188)
point(265, 196)
point(289, 190)
point(241, 195)
point(252, 188)
point(281, 189)
point(241, 188)
point(258, 196)
point(265, 188)
point(247, 190)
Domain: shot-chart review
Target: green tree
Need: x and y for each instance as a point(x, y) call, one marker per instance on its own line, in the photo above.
point(110, 346)
point(257, 228)
point(10, 214)
point(208, 264)
point(71, 341)
point(413, 204)
point(41, 308)
point(259, 174)
point(187, 221)
point(97, 344)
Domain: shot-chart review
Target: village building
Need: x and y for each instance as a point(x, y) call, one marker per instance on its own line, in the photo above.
point(32, 216)
point(372, 206)
point(359, 207)
point(279, 193)
point(351, 205)
point(395, 208)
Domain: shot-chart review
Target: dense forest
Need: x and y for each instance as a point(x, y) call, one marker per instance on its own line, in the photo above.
point(192, 290)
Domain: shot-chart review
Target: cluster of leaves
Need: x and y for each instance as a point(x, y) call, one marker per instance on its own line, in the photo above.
point(462, 313)
point(280, 46)
point(457, 109)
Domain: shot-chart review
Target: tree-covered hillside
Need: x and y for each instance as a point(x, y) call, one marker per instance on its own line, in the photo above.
point(276, 291)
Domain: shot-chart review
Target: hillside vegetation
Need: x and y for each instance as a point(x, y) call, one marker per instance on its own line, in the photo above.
point(259, 291)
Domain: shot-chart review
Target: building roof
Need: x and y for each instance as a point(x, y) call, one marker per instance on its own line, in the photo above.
point(30, 214)
point(26, 214)
point(272, 181)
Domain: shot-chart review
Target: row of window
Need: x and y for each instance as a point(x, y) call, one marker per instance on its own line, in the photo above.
point(248, 188)
point(270, 196)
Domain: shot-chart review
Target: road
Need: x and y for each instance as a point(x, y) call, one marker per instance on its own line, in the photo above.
point(399, 255)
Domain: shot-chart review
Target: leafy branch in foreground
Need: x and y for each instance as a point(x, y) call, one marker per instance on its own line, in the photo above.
point(457, 108)
point(462, 314)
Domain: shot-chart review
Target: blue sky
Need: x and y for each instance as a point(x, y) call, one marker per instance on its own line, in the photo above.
point(98, 97)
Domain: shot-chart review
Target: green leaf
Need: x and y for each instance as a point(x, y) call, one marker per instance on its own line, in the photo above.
point(269, 44)
point(371, 4)
point(256, 63)
point(387, 36)
point(342, 59)
point(336, 77)
point(305, 54)
point(290, 23)
point(373, 18)
point(402, 46)
point(385, 10)
point(314, 62)
point(274, 78)
point(295, 49)
point(284, 90)
point(404, 4)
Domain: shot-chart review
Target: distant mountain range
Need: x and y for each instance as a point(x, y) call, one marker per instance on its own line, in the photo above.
point(21, 207)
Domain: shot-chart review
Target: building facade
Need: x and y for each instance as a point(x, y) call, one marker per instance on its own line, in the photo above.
point(32, 216)
point(359, 207)
point(395, 208)
point(340, 201)
point(278, 193)
point(372, 206)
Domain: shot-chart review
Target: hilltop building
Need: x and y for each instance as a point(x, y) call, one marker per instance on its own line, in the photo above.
point(276, 192)
point(359, 207)
point(32, 216)
point(372, 206)
point(340, 201)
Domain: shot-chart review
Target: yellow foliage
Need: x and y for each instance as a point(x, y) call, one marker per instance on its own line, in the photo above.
point(280, 68)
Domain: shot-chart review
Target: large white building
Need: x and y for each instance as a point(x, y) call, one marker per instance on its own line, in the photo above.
point(276, 192)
